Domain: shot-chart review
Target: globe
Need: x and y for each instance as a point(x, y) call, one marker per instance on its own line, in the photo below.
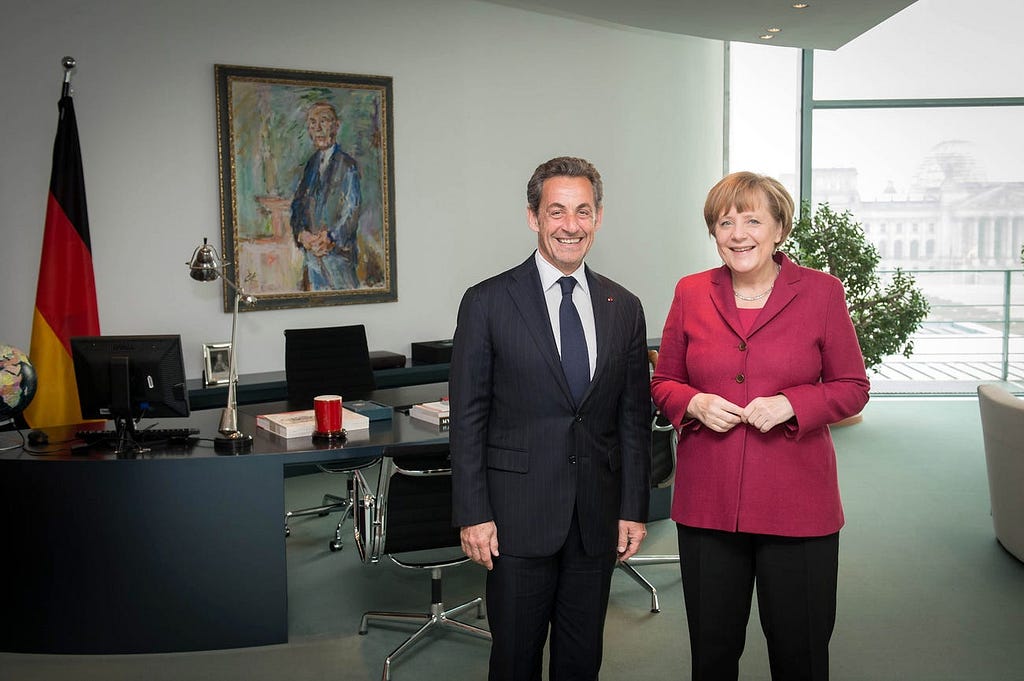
point(17, 381)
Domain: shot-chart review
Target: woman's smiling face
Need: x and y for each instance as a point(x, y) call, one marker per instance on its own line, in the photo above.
point(746, 240)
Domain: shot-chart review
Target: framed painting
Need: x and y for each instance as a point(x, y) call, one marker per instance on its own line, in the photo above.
point(306, 186)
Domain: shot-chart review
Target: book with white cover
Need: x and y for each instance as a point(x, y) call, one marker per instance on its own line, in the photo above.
point(431, 412)
point(303, 423)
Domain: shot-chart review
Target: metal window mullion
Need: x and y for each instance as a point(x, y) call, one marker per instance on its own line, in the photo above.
point(806, 123)
point(924, 103)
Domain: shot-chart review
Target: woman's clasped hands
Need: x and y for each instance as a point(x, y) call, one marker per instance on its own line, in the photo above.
point(721, 415)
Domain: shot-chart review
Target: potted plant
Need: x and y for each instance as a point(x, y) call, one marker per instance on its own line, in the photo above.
point(885, 314)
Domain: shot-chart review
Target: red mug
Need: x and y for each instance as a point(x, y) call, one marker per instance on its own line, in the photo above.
point(327, 409)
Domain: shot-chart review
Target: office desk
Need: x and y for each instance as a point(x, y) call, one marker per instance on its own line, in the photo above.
point(174, 550)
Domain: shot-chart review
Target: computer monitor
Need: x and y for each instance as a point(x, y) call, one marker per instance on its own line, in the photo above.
point(127, 378)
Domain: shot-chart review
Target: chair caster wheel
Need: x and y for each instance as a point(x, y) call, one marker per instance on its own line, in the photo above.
point(336, 545)
point(287, 531)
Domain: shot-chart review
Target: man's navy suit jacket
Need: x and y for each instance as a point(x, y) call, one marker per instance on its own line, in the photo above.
point(523, 455)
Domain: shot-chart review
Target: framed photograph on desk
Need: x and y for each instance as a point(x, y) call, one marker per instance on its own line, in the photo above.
point(216, 363)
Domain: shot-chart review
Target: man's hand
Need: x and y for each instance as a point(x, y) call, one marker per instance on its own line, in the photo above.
point(319, 244)
point(717, 413)
point(631, 534)
point(480, 543)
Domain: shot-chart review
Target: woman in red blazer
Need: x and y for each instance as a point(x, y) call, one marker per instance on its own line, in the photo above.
point(757, 358)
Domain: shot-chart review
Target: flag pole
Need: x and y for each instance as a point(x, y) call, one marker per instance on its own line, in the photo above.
point(69, 64)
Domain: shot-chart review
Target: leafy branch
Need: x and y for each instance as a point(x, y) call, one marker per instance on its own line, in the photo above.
point(885, 314)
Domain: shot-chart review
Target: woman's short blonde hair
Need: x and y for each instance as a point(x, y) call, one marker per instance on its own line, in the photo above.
point(746, 191)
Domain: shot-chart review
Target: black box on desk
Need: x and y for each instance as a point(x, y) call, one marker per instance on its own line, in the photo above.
point(375, 411)
point(382, 359)
point(432, 352)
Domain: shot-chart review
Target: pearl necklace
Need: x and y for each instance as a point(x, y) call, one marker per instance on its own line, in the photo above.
point(759, 296)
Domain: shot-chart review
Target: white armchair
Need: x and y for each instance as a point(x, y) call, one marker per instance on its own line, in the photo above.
point(1002, 424)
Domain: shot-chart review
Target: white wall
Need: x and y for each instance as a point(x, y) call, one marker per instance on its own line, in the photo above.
point(482, 94)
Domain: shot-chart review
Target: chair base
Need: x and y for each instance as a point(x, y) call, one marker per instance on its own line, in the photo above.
point(628, 567)
point(331, 503)
point(437, 618)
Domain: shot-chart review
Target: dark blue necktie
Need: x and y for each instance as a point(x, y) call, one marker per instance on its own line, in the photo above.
point(575, 359)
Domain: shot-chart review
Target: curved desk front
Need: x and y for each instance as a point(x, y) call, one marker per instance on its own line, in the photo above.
point(175, 550)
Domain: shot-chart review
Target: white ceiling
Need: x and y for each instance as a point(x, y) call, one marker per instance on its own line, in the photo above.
point(825, 24)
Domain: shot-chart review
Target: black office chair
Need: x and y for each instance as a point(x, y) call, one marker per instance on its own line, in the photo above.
point(663, 472)
point(410, 511)
point(328, 360)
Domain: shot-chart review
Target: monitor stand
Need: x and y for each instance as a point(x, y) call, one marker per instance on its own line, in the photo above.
point(126, 445)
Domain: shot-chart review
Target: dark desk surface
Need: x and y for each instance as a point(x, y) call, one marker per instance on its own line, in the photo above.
point(400, 429)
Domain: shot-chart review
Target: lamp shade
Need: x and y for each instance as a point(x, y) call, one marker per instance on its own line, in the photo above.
point(205, 263)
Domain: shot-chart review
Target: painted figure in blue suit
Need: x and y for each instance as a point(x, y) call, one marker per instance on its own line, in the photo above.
point(550, 458)
point(325, 208)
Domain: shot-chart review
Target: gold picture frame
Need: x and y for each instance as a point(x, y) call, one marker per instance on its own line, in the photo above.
point(306, 183)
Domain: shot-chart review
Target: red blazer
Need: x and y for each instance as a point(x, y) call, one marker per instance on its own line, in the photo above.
point(802, 345)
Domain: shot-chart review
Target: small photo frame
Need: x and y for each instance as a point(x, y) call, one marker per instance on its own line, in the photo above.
point(216, 360)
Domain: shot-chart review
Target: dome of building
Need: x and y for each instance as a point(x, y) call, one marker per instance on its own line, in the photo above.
point(949, 162)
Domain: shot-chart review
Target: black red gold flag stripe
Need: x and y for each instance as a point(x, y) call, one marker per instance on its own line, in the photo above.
point(66, 292)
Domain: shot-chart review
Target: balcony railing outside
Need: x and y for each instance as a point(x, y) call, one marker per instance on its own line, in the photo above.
point(973, 334)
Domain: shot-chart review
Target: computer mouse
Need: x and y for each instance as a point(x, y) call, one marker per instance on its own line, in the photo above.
point(37, 438)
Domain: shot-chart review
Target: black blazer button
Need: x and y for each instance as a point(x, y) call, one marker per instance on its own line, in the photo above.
point(742, 346)
point(572, 458)
point(579, 418)
point(740, 378)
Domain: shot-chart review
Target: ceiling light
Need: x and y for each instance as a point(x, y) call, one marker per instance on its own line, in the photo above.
point(801, 5)
point(774, 29)
point(766, 36)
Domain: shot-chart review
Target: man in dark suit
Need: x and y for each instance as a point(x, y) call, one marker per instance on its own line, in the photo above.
point(326, 207)
point(550, 435)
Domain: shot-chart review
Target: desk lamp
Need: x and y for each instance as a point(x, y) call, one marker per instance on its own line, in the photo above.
point(206, 266)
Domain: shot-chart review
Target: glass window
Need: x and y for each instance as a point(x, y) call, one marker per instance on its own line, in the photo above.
point(764, 112)
point(933, 48)
point(958, 170)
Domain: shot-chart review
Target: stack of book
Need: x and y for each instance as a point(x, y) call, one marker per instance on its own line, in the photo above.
point(431, 412)
point(303, 423)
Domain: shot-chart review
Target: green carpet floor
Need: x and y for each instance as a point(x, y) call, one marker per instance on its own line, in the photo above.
point(925, 591)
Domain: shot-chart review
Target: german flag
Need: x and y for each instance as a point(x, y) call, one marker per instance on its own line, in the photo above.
point(66, 293)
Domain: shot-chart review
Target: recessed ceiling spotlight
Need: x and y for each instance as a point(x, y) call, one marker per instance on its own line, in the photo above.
point(801, 5)
point(774, 29)
point(766, 36)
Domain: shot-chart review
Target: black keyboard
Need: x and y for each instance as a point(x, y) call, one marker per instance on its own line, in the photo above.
point(146, 435)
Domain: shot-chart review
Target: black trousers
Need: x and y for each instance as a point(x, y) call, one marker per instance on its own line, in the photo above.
point(566, 592)
point(796, 598)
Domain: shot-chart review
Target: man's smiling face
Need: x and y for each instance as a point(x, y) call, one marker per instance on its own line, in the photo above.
point(566, 221)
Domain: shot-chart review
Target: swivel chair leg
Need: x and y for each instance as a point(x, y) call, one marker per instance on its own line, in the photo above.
point(337, 544)
point(438, 617)
point(628, 566)
point(331, 502)
point(642, 581)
